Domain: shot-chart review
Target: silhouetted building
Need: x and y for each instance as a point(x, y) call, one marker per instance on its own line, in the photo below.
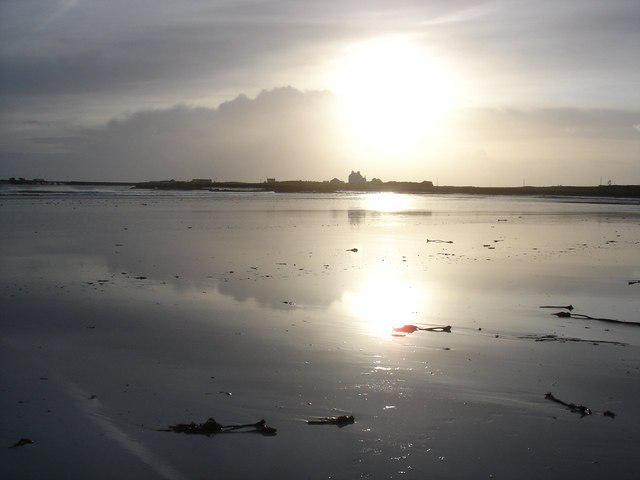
point(336, 181)
point(356, 177)
point(271, 180)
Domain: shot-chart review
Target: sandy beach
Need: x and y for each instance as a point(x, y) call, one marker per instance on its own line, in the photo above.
point(124, 312)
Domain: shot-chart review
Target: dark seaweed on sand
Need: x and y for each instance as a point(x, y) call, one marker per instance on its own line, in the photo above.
point(580, 316)
point(580, 409)
point(555, 338)
point(413, 328)
point(211, 427)
point(22, 442)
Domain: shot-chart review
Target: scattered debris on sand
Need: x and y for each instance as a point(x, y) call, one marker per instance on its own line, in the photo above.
point(354, 250)
point(555, 338)
point(581, 409)
point(22, 442)
point(567, 307)
point(413, 328)
point(211, 427)
point(340, 421)
point(587, 317)
point(431, 240)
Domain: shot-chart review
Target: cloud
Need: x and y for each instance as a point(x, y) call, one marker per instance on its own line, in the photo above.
point(67, 67)
point(193, 48)
point(290, 134)
point(544, 123)
point(89, 47)
point(282, 132)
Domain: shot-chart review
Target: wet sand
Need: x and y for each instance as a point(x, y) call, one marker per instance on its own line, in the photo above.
point(125, 312)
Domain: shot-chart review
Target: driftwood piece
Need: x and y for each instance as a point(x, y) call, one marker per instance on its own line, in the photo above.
point(567, 307)
point(431, 240)
point(340, 421)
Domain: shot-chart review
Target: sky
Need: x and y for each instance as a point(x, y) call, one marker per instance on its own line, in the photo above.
point(462, 92)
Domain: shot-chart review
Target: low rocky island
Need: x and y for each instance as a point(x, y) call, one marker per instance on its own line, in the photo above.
point(358, 184)
point(376, 185)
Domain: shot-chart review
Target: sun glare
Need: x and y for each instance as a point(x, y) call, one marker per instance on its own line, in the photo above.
point(384, 301)
point(392, 94)
point(388, 202)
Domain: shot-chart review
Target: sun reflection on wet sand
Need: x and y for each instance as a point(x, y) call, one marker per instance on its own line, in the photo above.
point(388, 202)
point(385, 300)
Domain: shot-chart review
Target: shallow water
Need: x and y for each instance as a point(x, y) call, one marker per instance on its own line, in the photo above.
point(256, 294)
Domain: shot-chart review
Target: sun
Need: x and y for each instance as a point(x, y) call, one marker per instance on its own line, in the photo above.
point(392, 94)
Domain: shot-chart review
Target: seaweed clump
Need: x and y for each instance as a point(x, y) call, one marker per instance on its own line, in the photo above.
point(211, 427)
point(580, 409)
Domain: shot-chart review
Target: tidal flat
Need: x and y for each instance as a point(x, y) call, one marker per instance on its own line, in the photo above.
point(124, 312)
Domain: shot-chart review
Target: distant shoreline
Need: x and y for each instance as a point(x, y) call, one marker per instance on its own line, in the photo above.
point(629, 191)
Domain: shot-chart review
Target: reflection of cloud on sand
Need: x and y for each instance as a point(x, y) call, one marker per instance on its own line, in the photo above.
point(303, 291)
